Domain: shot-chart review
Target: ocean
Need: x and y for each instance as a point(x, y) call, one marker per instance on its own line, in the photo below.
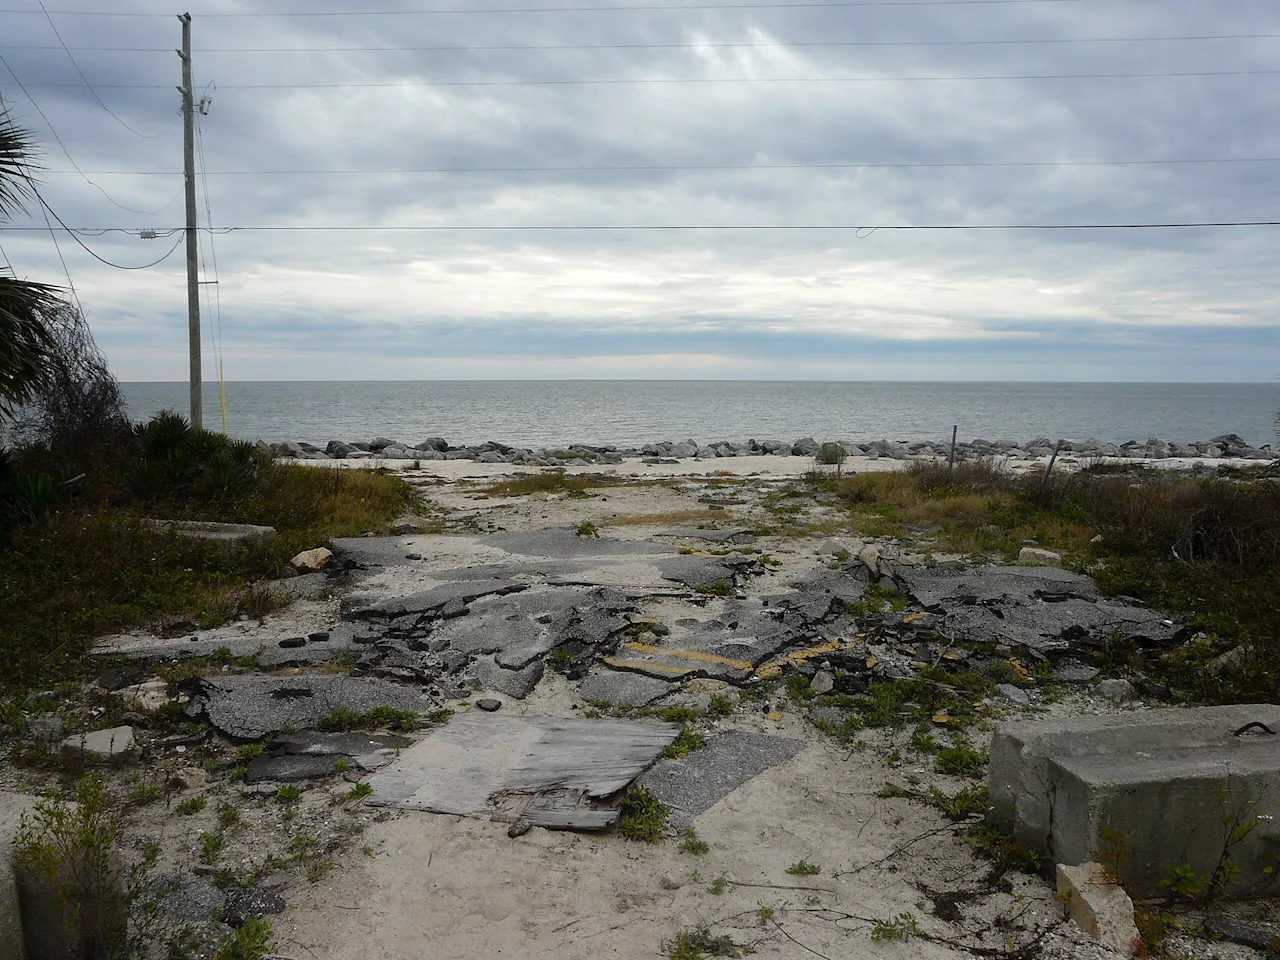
point(537, 413)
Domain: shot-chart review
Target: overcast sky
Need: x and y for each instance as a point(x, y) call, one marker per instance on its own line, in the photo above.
point(792, 100)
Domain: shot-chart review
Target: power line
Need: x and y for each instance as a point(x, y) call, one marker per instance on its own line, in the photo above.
point(633, 168)
point(625, 81)
point(533, 228)
point(75, 235)
point(840, 4)
point(676, 46)
point(67, 152)
point(88, 85)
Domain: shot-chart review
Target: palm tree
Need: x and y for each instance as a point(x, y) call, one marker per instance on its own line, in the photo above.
point(25, 343)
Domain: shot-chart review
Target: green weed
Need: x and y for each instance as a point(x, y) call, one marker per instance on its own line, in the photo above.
point(643, 816)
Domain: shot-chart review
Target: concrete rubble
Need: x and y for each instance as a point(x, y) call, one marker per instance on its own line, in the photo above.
point(624, 625)
point(1099, 906)
point(1070, 788)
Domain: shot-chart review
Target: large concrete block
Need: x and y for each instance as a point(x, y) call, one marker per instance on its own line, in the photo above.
point(1211, 808)
point(12, 807)
point(1021, 781)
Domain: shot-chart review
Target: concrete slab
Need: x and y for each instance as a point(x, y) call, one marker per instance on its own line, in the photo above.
point(692, 786)
point(1053, 782)
point(227, 534)
point(250, 707)
point(625, 689)
point(1175, 807)
point(12, 808)
point(548, 771)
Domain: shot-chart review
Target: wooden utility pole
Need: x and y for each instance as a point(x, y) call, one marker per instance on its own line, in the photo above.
point(189, 177)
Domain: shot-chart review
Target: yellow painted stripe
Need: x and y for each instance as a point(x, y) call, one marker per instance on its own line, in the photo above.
point(912, 617)
point(687, 655)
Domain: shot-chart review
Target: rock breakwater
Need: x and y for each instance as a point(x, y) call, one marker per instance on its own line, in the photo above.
point(436, 448)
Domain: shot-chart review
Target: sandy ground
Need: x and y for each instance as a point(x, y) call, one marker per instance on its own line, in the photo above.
point(450, 888)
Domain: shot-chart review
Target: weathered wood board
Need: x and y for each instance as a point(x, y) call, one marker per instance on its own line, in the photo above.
point(545, 770)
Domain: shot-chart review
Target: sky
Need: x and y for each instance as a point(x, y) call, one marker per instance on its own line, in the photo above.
point(810, 129)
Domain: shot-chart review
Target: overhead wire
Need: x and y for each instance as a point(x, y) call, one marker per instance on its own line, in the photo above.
point(626, 81)
point(552, 227)
point(89, 86)
point(490, 48)
point(75, 235)
point(633, 168)
point(613, 8)
point(63, 146)
point(215, 331)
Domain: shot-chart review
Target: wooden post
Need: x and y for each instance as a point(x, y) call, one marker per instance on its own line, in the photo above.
point(1044, 481)
point(189, 177)
point(951, 457)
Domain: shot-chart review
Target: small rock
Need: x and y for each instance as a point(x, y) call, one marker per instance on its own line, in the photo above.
point(1009, 692)
point(312, 561)
point(188, 778)
point(1099, 907)
point(47, 728)
point(1036, 557)
point(243, 905)
point(151, 695)
point(489, 705)
point(114, 745)
point(519, 828)
point(668, 882)
point(822, 683)
point(1117, 691)
point(292, 643)
point(1260, 936)
point(319, 637)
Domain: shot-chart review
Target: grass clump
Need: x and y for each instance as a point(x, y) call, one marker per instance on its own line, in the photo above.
point(690, 842)
point(700, 943)
point(899, 929)
point(803, 868)
point(643, 816)
point(721, 588)
point(544, 483)
point(190, 806)
point(588, 529)
point(344, 719)
point(252, 941)
point(688, 741)
point(721, 706)
point(961, 759)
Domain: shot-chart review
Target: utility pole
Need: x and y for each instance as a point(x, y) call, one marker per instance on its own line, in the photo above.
point(189, 177)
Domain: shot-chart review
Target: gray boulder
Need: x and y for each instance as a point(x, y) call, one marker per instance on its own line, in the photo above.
point(687, 449)
point(337, 449)
point(805, 447)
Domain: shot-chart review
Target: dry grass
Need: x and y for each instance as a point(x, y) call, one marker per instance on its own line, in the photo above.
point(545, 483)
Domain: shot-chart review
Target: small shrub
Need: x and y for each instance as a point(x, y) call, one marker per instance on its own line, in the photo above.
point(252, 941)
point(720, 588)
point(288, 794)
point(677, 714)
point(900, 929)
point(690, 842)
point(190, 806)
point(721, 706)
point(700, 943)
point(961, 759)
point(803, 868)
point(587, 529)
point(211, 845)
point(719, 885)
point(360, 790)
point(643, 816)
point(688, 741)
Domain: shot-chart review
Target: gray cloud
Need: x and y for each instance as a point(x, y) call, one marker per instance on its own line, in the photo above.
point(1125, 305)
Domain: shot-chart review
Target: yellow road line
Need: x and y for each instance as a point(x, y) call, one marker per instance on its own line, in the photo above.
point(687, 655)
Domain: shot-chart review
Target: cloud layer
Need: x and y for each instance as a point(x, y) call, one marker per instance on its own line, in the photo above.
point(296, 130)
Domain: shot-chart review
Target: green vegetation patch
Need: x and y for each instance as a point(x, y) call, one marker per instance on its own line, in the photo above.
point(643, 816)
